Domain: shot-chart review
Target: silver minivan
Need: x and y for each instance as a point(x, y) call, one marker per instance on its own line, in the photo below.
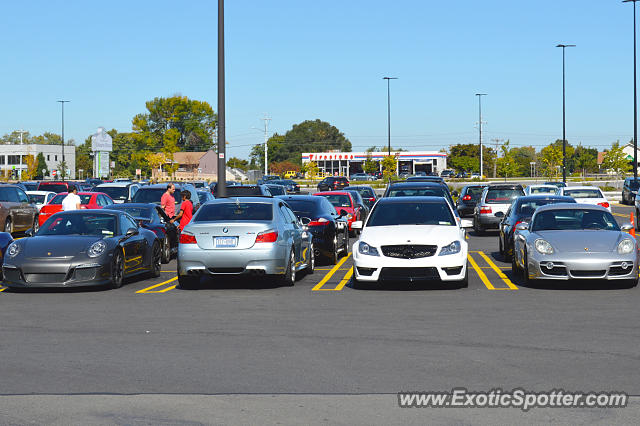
point(493, 205)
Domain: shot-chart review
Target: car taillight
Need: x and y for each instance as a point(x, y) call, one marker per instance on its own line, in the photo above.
point(466, 198)
point(485, 209)
point(187, 239)
point(605, 205)
point(320, 222)
point(267, 237)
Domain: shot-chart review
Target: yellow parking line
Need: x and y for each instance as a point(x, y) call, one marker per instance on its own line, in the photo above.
point(345, 280)
point(164, 290)
point(481, 274)
point(501, 274)
point(147, 290)
point(2, 289)
point(330, 273)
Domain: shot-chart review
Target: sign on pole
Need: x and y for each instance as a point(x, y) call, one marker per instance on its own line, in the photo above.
point(101, 141)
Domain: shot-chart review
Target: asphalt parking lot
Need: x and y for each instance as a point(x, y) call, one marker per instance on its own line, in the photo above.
point(322, 337)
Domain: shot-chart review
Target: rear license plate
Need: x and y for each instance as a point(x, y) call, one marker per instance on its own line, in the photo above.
point(226, 242)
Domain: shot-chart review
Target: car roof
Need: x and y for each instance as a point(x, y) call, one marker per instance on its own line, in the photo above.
point(475, 185)
point(525, 198)
point(540, 185)
point(120, 184)
point(576, 206)
point(232, 199)
point(424, 200)
point(432, 184)
point(566, 188)
point(341, 192)
point(299, 198)
point(40, 192)
point(356, 187)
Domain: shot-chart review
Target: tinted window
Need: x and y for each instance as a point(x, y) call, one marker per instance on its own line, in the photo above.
point(53, 187)
point(36, 199)
point(338, 200)
point(574, 219)
point(418, 192)
point(303, 208)
point(22, 197)
point(387, 214)
point(79, 224)
point(365, 192)
point(502, 195)
point(474, 191)
point(84, 198)
point(583, 193)
point(8, 194)
point(125, 224)
point(239, 191)
point(527, 208)
point(542, 190)
point(234, 211)
point(115, 192)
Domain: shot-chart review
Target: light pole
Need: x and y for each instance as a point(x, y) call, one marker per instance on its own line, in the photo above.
point(564, 136)
point(480, 95)
point(64, 165)
point(222, 163)
point(635, 96)
point(389, 112)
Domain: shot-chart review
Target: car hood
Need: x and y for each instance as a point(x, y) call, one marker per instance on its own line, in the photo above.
point(579, 240)
point(415, 234)
point(56, 246)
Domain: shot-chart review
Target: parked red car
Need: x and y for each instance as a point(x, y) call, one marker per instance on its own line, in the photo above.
point(88, 200)
point(343, 201)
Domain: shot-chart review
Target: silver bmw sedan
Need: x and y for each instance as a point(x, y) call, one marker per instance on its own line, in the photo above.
point(258, 236)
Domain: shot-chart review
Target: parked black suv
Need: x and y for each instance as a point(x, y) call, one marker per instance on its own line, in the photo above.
point(629, 190)
point(468, 199)
point(333, 183)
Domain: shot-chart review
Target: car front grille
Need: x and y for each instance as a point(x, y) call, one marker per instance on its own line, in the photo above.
point(409, 251)
point(411, 274)
point(619, 270)
point(45, 278)
point(588, 274)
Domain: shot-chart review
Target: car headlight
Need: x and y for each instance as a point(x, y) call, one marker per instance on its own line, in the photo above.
point(97, 249)
point(13, 249)
point(543, 247)
point(364, 248)
point(452, 248)
point(626, 246)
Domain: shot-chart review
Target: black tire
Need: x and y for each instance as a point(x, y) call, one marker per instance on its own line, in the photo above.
point(8, 226)
point(288, 279)
point(479, 230)
point(311, 265)
point(117, 270)
point(345, 245)
point(156, 260)
point(358, 285)
point(333, 257)
point(515, 270)
point(525, 270)
point(188, 282)
point(166, 250)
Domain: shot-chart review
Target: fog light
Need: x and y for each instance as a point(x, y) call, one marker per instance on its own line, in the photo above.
point(549, 265)
point(624, 265)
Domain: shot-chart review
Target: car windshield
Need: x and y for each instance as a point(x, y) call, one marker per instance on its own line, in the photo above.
point(115, 192)
point(84, 198)
point(153, 195)
point(338, 200)
point(542, 190)
point(474, 191)
point(234, 211)
point(417, 192)
point(413, 213)
point(144, 212)
point(502, 195)
point(527, 208)
point(583, 193)
point(101, 225)
point(36, 198)
point(304, 208)
point(574, 219)
point(365, 192)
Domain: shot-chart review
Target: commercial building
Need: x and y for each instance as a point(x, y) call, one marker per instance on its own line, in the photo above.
point(14, 157)
point(348, 163)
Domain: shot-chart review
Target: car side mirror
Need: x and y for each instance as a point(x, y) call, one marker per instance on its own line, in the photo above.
point(132, 231)
point(343, 212)
point(356, 225)
point(627, 227)
point(499, 214)
point(522, 226)
point(29, 232)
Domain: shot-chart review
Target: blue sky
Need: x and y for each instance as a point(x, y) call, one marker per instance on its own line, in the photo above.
point(298, 60)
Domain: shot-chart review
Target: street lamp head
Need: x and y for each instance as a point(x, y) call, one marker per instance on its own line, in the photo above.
point(389, 78)
point(481, 94)
point(627, 1)
point(566, 45)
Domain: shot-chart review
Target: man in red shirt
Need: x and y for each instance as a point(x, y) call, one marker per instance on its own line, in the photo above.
point(186, 210)
point(167, 202)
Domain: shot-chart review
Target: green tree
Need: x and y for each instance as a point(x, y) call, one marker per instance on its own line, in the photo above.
point(311, 169)
point(170, 147)
point(83, 158)
point(615, 160)
point(551, 159)
point(466, 157)
point(389, 166)
point(370, 165)
point(507, 165)
point(584, 160)
point(523, 157)
point(42, 165)
point(194, 121)
point(237, 163)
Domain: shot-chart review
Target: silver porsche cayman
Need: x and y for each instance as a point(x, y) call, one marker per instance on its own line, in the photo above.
point(574, 241)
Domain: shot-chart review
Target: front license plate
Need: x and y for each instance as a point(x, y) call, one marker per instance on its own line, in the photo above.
point(226, 242)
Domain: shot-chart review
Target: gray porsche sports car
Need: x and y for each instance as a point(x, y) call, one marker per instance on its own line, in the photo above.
point(574, 241)
point(82, 248)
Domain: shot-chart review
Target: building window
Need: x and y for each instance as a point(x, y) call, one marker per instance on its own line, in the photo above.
point(48, 157)
point(13, 159)
point(2, 158)
point(56, 158)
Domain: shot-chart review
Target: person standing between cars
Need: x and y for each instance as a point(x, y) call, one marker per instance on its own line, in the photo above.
point(168, 203)
point(186, 210)
point(71, 201)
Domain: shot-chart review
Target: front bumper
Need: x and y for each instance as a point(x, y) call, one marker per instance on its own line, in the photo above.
point(40, 274)
point(271, 259)
point(587, 267)
point(381, 268)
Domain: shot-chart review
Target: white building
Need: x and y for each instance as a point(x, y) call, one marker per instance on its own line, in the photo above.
point(13, 157)
point(348, 163)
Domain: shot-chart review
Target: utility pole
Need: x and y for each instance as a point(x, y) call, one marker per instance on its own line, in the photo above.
point(22, 132)
point(495, 163)
point(64, 164)
point(635, 96)
point(222, 139)
point(564, 129)
point(389, 112)
point(480, 95)
point(266, 139)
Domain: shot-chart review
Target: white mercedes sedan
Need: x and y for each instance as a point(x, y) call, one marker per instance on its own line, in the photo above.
point(411, 239)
